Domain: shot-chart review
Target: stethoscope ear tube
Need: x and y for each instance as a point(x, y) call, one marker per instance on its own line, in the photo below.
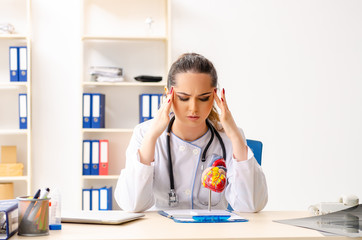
point(210, 141)
point(170, 168)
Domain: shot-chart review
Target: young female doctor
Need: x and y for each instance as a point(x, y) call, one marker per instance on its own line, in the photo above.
point(168, 155)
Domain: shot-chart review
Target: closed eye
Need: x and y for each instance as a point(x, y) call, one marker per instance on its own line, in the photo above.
point(205, 99)
point(183, 98)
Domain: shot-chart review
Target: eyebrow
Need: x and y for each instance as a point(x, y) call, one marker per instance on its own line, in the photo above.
point(186, 94)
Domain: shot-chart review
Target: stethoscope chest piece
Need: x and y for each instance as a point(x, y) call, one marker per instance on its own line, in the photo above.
point(172, 198)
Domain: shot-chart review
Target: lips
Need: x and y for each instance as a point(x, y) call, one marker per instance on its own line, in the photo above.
point(193, 118)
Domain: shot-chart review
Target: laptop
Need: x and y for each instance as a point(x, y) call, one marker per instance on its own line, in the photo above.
point(100, 217)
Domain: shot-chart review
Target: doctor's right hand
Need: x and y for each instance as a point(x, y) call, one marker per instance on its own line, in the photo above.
point(162, 117)
point(159, 124)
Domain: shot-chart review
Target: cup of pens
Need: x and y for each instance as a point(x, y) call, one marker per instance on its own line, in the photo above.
point(33, 216)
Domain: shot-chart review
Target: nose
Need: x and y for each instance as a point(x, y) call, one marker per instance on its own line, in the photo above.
point(193, 105)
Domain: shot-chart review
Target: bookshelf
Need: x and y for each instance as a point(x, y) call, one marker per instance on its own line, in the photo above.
point(138, 48)
point(17, 13)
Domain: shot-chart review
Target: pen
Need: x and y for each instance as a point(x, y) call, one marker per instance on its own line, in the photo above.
point(26, 214)
point(31, 205)
point(37, 194)
point(43, 194)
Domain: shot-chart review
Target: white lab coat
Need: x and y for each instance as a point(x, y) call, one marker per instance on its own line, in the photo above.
point(141, 187)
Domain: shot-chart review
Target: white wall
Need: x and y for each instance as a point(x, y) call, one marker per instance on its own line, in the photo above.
point(292, 74)
point(57, 98)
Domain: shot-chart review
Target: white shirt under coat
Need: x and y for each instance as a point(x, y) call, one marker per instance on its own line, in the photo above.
point(141, 187)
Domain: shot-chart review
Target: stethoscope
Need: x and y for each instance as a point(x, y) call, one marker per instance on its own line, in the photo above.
point(172, 198)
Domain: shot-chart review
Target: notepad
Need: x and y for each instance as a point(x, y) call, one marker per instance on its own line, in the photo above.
point(202, 215)
point(100, 217)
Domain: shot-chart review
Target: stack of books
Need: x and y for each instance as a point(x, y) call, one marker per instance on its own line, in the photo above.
point(106, 74)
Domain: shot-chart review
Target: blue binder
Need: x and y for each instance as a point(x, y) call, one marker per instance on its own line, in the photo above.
point(87, 110)
point(95, 157)
point(155, 104)
point(105, 198)
point(149, 105)
point(9, 212)
point(23, 64)
point(87, 199)
point(87, 149)
point(98, 110)
point(145, 107)
point(14, 64)
point(95, 199)
point(23, 111)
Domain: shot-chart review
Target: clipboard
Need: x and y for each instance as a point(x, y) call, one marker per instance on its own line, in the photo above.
point(202, 216)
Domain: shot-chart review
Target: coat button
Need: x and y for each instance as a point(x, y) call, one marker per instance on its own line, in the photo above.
point(188, 192)
point(182, 148)
point(195, 151)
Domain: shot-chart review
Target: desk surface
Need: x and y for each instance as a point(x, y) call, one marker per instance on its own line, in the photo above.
point(154, 226)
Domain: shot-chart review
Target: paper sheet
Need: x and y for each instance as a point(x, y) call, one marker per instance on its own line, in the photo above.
point(347, 222)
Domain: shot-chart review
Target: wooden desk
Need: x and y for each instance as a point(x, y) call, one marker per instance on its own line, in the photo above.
point(154, 226)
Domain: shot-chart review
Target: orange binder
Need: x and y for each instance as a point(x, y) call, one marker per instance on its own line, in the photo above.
point(103, 157)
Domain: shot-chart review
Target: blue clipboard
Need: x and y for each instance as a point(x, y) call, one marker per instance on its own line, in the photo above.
point(202, 216)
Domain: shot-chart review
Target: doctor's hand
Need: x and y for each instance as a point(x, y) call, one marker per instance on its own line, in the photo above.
point(159, 124)
point(230, 127)
point(226, 119)
point(162, 117)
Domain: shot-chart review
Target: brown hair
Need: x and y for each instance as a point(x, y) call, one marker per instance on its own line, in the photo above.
point(196, 63)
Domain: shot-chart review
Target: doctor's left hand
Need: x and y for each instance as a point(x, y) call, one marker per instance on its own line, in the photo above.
point(226, 119)
point(231, 129)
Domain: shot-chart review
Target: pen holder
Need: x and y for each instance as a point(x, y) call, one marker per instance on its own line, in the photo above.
point(33, 216)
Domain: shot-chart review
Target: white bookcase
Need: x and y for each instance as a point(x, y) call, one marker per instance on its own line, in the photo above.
point(115, 33)
point(17, 13)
